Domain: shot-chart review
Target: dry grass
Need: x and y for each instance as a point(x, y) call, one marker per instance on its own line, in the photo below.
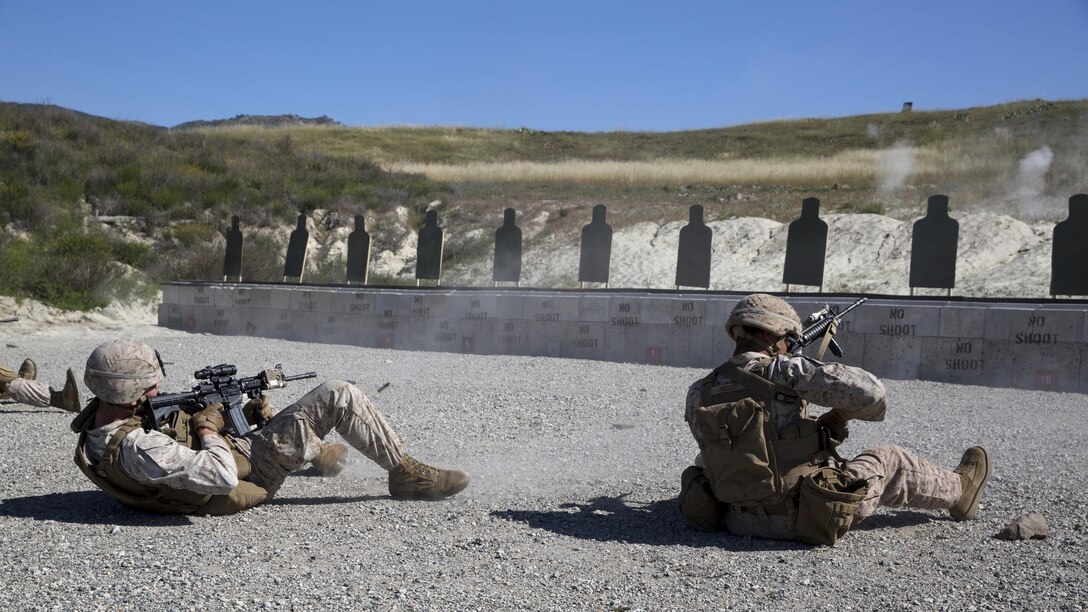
point(892, 161)
point(850, 167)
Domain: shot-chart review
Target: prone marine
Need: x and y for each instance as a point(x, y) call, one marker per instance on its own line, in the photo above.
point(193, 467)
point(22, 386)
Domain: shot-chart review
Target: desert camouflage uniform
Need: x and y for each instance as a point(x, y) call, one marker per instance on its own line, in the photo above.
point(293, 437)
point(290, 440)
point(896, 477)
point(29, 392)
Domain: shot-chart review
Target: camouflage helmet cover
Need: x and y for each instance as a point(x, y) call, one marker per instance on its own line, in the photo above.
point(766, 312)
point(121, 371)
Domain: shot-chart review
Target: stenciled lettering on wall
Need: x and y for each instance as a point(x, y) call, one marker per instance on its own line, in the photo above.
point(624, 319)
point(306, 301)
point(173, 316)
point(508, 337)
point(331, 327)
point(687, 320)
point(1035, 333)
point(475, 314)
point(283, 324)
point(547, 306)
point(964, 359)
point(896, 329)
point(418, 309)
point(221, 320)
point(360, 303)
point(585, 342)
point(444, 333)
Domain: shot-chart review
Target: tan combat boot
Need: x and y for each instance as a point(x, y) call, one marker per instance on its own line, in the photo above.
point(974, 471)
point(29, 369)
point(414, 480)
point(68, 397)
point(332, 460)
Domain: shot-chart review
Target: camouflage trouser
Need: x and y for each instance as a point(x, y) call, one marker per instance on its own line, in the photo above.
point(292, 438)
point(898, 478)
point(29, 392)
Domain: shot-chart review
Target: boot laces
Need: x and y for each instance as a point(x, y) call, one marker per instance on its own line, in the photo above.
point(419, 469)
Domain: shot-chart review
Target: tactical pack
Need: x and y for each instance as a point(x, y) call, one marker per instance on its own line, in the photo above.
point(108, 475)
point(748, 461)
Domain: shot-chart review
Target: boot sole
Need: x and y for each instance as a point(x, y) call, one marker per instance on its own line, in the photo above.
point(972, 509)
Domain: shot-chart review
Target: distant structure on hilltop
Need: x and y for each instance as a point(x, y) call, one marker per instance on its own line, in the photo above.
point(259, 120)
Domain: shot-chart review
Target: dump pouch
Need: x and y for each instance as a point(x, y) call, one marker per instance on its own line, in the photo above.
point(242, 497)
point(828, 501)
point(697, 503)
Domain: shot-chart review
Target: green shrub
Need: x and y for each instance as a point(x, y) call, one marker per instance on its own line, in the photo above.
point(329, 270)
point(190, 235)
point(133, 254)
point(73, 271)
point(262, 258)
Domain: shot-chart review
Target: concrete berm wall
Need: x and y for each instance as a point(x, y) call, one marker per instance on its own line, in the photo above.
point(1031, 345)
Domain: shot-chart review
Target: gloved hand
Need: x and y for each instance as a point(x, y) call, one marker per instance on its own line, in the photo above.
point(836, 425)
point(258, 409)
point(211, 418)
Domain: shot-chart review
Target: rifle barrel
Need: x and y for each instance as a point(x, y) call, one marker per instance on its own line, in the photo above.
point(818, 328)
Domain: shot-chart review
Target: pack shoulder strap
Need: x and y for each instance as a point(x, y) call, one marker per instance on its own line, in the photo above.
point(757, 385)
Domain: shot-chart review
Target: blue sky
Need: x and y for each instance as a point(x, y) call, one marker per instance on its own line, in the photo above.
point(555, 65)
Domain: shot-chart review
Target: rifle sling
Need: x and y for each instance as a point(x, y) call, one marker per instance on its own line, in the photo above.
point(829, 333)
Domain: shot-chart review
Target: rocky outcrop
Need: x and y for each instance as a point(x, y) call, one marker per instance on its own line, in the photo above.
point(259, 120)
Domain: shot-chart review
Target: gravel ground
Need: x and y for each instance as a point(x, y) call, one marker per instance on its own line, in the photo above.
point(575, 470)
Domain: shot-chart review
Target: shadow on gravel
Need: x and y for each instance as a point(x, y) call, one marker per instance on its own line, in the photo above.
point(614, 519)
point(894, 519)
point(320, 501)
point(84, 507)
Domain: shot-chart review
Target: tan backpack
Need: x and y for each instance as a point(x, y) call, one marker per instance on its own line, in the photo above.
point(748, 462)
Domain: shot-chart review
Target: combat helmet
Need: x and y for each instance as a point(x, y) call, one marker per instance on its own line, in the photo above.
point(121, 371)
point(766, 312)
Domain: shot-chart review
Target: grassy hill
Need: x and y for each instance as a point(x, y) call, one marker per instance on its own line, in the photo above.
point(180, 186)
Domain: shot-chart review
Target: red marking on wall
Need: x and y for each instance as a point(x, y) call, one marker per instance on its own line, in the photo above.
point(389, 340)
point(653, 354)
point(1046, 378)
point(190, 323)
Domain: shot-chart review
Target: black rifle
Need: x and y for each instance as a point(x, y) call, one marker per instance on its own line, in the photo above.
point(9, 320)
point(823, 321)
point(217, 385)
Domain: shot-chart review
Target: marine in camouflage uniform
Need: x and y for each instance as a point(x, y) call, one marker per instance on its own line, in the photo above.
point(23, 387)
point(761, 325)
point(190, 467)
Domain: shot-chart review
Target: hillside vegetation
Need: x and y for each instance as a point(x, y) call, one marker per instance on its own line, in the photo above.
point(170, 193)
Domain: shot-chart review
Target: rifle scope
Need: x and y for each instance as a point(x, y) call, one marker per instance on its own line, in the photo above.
point(216, 371)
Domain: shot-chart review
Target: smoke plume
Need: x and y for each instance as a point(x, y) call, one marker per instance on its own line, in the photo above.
point(1031, 180)
point(894, 165)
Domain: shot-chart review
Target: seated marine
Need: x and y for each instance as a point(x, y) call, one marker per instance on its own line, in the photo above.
point(764, 467)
